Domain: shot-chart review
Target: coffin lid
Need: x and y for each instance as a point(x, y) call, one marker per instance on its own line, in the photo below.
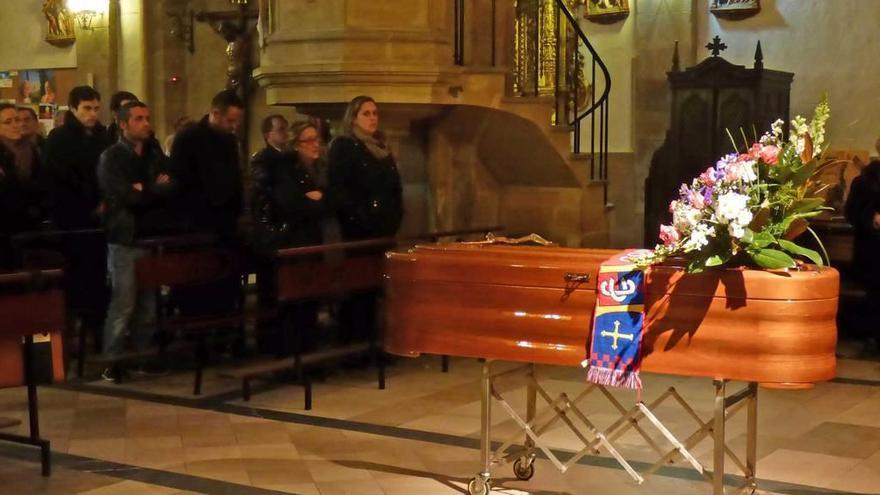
point(531, 266)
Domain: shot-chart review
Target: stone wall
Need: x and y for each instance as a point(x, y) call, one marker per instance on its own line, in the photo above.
point(829, 46)
point(22, 39)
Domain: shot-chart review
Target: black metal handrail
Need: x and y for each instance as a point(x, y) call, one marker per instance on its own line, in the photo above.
point(458, 31)
point(598, 111)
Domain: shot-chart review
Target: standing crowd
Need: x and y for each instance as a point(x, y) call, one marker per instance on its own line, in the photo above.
point(119, 183)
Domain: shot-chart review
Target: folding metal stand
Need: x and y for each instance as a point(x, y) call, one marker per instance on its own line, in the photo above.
point(567, 410)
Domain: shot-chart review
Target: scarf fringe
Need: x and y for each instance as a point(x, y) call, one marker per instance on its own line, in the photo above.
point(614, 378)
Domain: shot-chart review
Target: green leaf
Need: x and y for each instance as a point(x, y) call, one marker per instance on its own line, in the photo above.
point(762, 239)
point(803, 173)
point(801, 251)
point(697, 265)
point(772, 259)
point(807, 214)
point(717, 260)
point(807, 204)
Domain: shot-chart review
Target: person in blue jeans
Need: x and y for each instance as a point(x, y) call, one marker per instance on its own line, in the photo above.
point(134, 183)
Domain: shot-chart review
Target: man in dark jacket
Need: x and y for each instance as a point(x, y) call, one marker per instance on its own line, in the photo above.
point(72, 152)
point(117, 101)
point(71, 159)
point(205, 166)
point(134, 182)
point(863, 213)
point(204, 161)
point(276, 135)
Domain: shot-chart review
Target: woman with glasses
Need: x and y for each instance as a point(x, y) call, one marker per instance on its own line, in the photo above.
point(22, 191)
point(290, 208)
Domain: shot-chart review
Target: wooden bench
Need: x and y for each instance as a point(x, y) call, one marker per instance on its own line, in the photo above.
point(301, 275)
point(299, 362)
point(51, 249)
point(190, 261)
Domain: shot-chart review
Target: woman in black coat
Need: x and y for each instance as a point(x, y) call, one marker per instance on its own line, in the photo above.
point(290, 209)
point(366, 185)
point(22, 185)
point(363, 175)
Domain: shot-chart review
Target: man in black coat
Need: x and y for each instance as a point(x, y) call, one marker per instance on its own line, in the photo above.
point(205, 167)
point(863, 213)
point(72, 152)
point(204, 161)
point(276, 135)
point(117, 101)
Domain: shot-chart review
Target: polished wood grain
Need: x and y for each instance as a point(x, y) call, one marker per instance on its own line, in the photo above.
point(514, 303)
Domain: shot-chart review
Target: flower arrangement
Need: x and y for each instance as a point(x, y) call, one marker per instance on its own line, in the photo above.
point(751, 205)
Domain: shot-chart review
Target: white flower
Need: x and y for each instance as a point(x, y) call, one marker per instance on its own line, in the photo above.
point(742, 170)
point(773, 137)
point(732, 207)
point(736, 230)
point(685, 217)
point(698, 238)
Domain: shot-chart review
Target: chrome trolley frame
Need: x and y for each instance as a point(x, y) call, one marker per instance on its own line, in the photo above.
point(565, 409)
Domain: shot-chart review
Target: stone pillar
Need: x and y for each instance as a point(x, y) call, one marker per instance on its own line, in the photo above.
point(96, 54)
point(131, 58)
point(333, 50)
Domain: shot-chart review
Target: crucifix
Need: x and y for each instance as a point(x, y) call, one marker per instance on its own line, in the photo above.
point(236, 28)
point(716, 46)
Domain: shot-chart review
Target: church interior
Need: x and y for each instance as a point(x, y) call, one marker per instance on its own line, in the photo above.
point(370, 243)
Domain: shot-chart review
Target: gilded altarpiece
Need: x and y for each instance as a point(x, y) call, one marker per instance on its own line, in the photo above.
point(543, 36)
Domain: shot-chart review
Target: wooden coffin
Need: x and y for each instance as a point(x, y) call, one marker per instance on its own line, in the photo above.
point(524, 304)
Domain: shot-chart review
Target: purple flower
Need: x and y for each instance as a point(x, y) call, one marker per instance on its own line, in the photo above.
point(684, 192)
point(707, 193)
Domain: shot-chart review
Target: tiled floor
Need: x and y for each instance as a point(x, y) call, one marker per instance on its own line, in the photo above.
point(417, 437)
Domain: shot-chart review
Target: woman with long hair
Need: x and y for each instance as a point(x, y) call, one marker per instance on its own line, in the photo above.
point(363, 175)
point(366, 186)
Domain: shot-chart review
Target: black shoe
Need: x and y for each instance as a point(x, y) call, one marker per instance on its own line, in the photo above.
point(110, 374)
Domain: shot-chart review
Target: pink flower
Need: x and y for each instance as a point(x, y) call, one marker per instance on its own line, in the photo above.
point(754, 152)
point(769, 154)
point(668, 235)
point(672, 205)
point(708, 177)
point(696, 200)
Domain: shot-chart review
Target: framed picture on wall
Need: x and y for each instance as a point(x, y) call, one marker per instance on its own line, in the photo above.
point(604, 11)
point(47, 111)
point(735, 9)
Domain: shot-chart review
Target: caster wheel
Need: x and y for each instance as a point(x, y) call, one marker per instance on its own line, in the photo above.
point(479, 486)
point(523, 470)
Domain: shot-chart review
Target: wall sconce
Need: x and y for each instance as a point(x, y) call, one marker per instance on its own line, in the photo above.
point(85, 11)
point(182, 28)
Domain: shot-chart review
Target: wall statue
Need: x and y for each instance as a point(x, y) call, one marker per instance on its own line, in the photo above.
point(61, 30)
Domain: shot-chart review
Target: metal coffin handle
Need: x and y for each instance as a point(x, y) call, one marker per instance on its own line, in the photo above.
point(576, 278)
